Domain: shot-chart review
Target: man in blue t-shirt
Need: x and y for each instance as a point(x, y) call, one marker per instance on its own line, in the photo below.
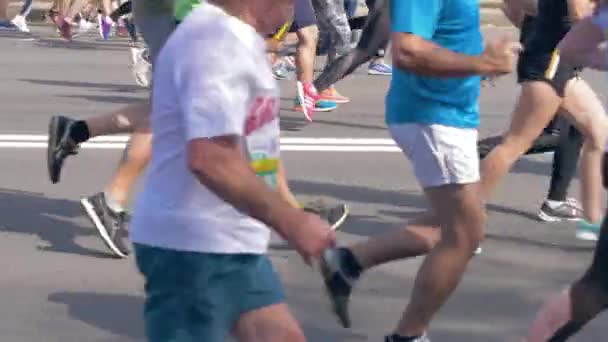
point(432, 114)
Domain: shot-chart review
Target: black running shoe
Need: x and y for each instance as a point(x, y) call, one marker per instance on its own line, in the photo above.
point(334, 215)
point(338, 284)
point(111, 225)
point(60, 145)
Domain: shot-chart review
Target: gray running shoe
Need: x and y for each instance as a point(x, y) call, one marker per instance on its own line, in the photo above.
point(334, 215)
point(111, 225)
point(569, 210)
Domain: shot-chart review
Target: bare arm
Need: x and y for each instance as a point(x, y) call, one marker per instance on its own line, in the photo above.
point(415, 54)
point(218, 163)
point(579, 9)
point(584, 46)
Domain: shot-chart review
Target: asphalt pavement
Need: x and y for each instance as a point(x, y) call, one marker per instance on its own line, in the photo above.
point(59, 284)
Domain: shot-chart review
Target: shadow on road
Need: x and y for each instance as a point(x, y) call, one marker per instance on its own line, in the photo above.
point(59, 43)
point(124, 100)
point(119, 88)
point(48, 218)
point(360, 194)
point(119, 314)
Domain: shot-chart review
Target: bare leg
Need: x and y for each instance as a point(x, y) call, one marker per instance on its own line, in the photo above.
point(306, 52)
point(565, 314)
point(123, 120)
point(586, 112)
point(535, 108)
point(137, 156)
point(283, 187)
point(462, 221)
point(416, 238)
point(270, 324)
point(3, 9)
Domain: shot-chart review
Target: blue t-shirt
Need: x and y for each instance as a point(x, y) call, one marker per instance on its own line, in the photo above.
point(454, 25)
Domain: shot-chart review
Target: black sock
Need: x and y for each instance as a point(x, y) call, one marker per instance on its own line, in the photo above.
point(351, 265)
point(397, 338)
point(79, 132)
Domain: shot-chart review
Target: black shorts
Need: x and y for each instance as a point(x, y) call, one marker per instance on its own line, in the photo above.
point(545, 67)
point(304, 15)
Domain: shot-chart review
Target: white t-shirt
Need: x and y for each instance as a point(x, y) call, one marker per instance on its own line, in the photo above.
point(212, 79)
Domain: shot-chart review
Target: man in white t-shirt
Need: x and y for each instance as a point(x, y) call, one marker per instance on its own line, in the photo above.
point(201, 225)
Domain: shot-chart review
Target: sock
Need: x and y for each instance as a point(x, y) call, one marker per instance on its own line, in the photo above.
point(112, 203)
point(79, 132)
point(397, 338)
point(553, 204)
point(351, 265)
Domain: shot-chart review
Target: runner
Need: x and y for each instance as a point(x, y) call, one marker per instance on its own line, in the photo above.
point(374, 39)
point(304, 25)
point(197, 237)
point(433, 114)
point(107, 209)
point(547, 85)
point(567, 146)
point(20, 19)
point(568, 312)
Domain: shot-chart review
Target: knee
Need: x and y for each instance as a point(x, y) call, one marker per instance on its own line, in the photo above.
point(308, 37)
point(597, 140)
point(469, 231)
point(288, 334)
point(515, 145)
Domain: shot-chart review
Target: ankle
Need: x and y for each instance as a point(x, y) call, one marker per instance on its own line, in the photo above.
point(79, 132)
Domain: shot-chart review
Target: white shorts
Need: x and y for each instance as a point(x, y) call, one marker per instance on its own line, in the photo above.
point(440, 155)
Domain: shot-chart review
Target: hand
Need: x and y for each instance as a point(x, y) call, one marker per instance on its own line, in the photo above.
point(309, 235)
point(499, 57)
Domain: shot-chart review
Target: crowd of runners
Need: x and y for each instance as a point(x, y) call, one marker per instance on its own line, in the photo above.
point(215, 186)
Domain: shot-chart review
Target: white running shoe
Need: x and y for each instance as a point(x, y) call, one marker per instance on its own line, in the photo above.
point(142, 69)
point(20, 24)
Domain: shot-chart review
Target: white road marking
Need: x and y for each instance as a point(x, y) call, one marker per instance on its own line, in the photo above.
point(39, 141)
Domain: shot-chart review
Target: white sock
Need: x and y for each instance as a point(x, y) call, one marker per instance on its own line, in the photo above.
point(554, 204)
point(112, 203)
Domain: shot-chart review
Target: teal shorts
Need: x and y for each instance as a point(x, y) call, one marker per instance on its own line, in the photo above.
point(198, 296)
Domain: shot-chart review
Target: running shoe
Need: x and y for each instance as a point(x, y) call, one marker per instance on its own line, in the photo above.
point(141, 67)
point(121, 30)
point(380, 69)
point(308, 101)
point(64, 27)
point(279, 70)
point(60, 145)
point(331, 94)
point(111, 225)
point(20, 24)
point(84, 26)
point(290, 63)
point(422, 338)
point(105, 25)
point(568, 210)
point(588, 231)
point(334, 215)
point(338, 284)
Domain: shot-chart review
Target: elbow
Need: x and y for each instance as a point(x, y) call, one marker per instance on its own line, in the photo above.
point(199, 166)
point(204, 165)
point(409, 59)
